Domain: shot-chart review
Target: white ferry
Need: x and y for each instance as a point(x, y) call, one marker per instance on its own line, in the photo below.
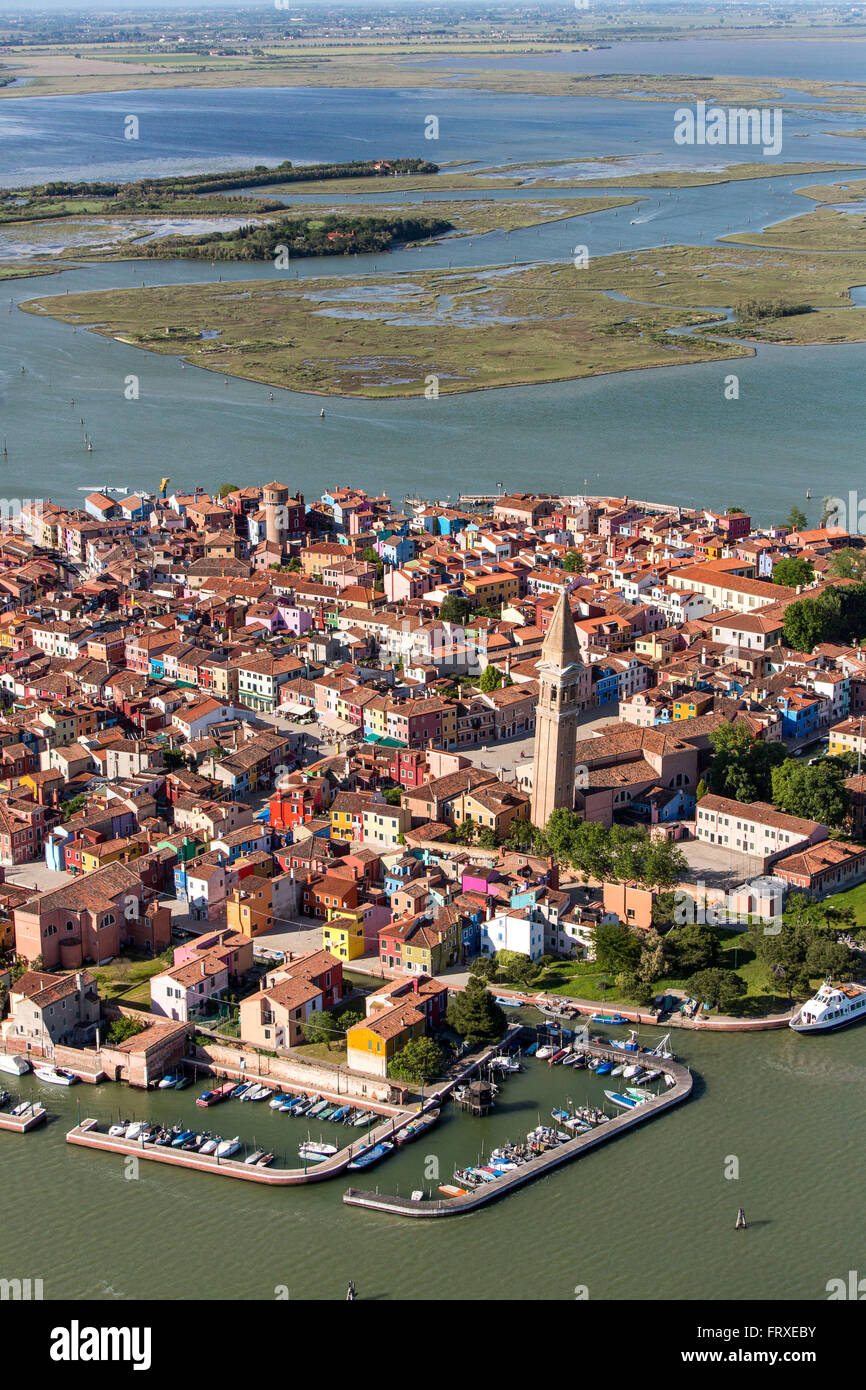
point(834, 1006)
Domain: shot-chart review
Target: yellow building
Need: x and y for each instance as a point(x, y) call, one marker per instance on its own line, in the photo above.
point(690, 706)
point(343, 934)
point(482, 589)
point(371, 1044)
point(847, 737)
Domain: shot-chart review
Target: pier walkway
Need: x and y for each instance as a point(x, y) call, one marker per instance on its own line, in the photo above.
point(22, 1124)
point(546, 1162)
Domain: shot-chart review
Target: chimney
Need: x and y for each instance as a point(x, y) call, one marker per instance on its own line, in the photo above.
point(203, 969)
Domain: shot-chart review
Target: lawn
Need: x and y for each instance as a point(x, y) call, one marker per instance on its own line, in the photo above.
point(126, 980)
point(854, 898)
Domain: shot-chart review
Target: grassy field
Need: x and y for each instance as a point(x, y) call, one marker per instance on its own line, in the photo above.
point(823, 229)
point(854, 898)
point(126, 980)
point(500, 327)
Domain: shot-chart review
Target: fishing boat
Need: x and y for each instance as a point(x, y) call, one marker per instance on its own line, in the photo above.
point(628, 1044)
point(417, 1127)
point(228, 1147)
point(372, 1155)
point(58, 1076)
point(254, 1156)
point(616, 1019)
point(834, 1006)
point(316, 1153)
point(12, 1065)
point(625, 1102)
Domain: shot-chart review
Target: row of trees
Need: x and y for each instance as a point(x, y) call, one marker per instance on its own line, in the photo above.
point(751, 769)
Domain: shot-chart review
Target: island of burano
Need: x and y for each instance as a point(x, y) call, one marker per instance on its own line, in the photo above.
point(432, 667)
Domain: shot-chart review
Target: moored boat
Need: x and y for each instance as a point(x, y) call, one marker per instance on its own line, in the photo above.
point(624, 1102)
point(417, 1127)
point(12, 1065)
point(228, 1147)
point(608, 1018)
point(372, 1155)
point(834, 1006)
point(58, 1076)
point(316, 1153)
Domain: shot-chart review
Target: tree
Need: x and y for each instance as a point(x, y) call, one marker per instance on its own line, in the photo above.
point(349, 1017)
point(663, 909)
point(474, 1014)
point(690, 947)
point(484, 967)
point(836, 615)
point(742, 765)
point(491, 679)
point(847, 563)
point(122, 1029)
point(515, 967)
point(73, 806)
point(455, 609)
point(573, 562)
point(393, 795)
point(418, 1061)
point(464, 833)
point(486, 838)
point(226, 488)
point(617, 948)
point(793, 572)
point(796, 520)
point(814, 793)
point(321, 1027)
point(720, 987)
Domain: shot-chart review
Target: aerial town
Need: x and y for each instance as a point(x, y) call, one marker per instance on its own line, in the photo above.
point(324, 793)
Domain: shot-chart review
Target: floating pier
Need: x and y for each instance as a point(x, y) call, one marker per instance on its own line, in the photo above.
point(22, 1124)
point(553, 1158)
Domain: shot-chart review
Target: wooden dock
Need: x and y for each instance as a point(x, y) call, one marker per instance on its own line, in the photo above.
point(22, 1124)
point(546, 1162)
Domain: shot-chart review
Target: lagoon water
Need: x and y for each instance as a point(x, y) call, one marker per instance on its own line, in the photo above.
point(649, 1215)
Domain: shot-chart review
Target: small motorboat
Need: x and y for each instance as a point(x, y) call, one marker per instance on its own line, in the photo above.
point(608, 1018)
point(417, 1128)
point(339, 1115)
point(58, 1076)
point(637, 1094)
point(364, 1117)
point(12, 1065)
point(317, 1109)
point(265, 1161)
point(604, 1068)
point(183, 1138)
point(5, 1097)
point(118, 1131)
point(279, 1100)
point(254, 1156)
point(209, 1145)
point(316, 1153)
point(170, 1080)
point(372, 1155)
point(183, 1083)
point(450, 1189)
point(633, 1072)
point(625, 1102)
point(558, 1057)
point(22, 1107)
point(240, 1090)
point(258, 1093)
point(135, 1128)
point(509, 1003)
point(227, 1147)
point(542, 1053)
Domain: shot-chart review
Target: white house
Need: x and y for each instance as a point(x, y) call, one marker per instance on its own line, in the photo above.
point(517, 929)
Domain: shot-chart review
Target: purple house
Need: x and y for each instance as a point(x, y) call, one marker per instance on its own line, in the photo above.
point(479, 880)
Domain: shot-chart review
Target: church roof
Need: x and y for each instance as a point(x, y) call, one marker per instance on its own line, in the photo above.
point(560, 646)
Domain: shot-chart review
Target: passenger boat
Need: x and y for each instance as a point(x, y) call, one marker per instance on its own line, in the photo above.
point(13, 1066)
point(625, 1102)
point(608, 1018)
point(316, 1153)
point(58, 1076)
point(834, 1006)
point(417, 1127)
point(228, 1147)
point(372, 1155)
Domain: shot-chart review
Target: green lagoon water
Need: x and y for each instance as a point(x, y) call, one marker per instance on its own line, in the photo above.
point(649, 1215)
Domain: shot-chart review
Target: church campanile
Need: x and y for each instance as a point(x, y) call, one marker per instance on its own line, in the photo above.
point(556, 715)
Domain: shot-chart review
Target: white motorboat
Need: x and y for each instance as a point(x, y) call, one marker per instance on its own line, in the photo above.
point(58, 1076)
point(209, 1146)
point(15, 1066)
point(228, 1147)
point(118, 1131)
point(316, 1153)
point(834, 1006)
point(544, 1052)
point(135, 1129)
